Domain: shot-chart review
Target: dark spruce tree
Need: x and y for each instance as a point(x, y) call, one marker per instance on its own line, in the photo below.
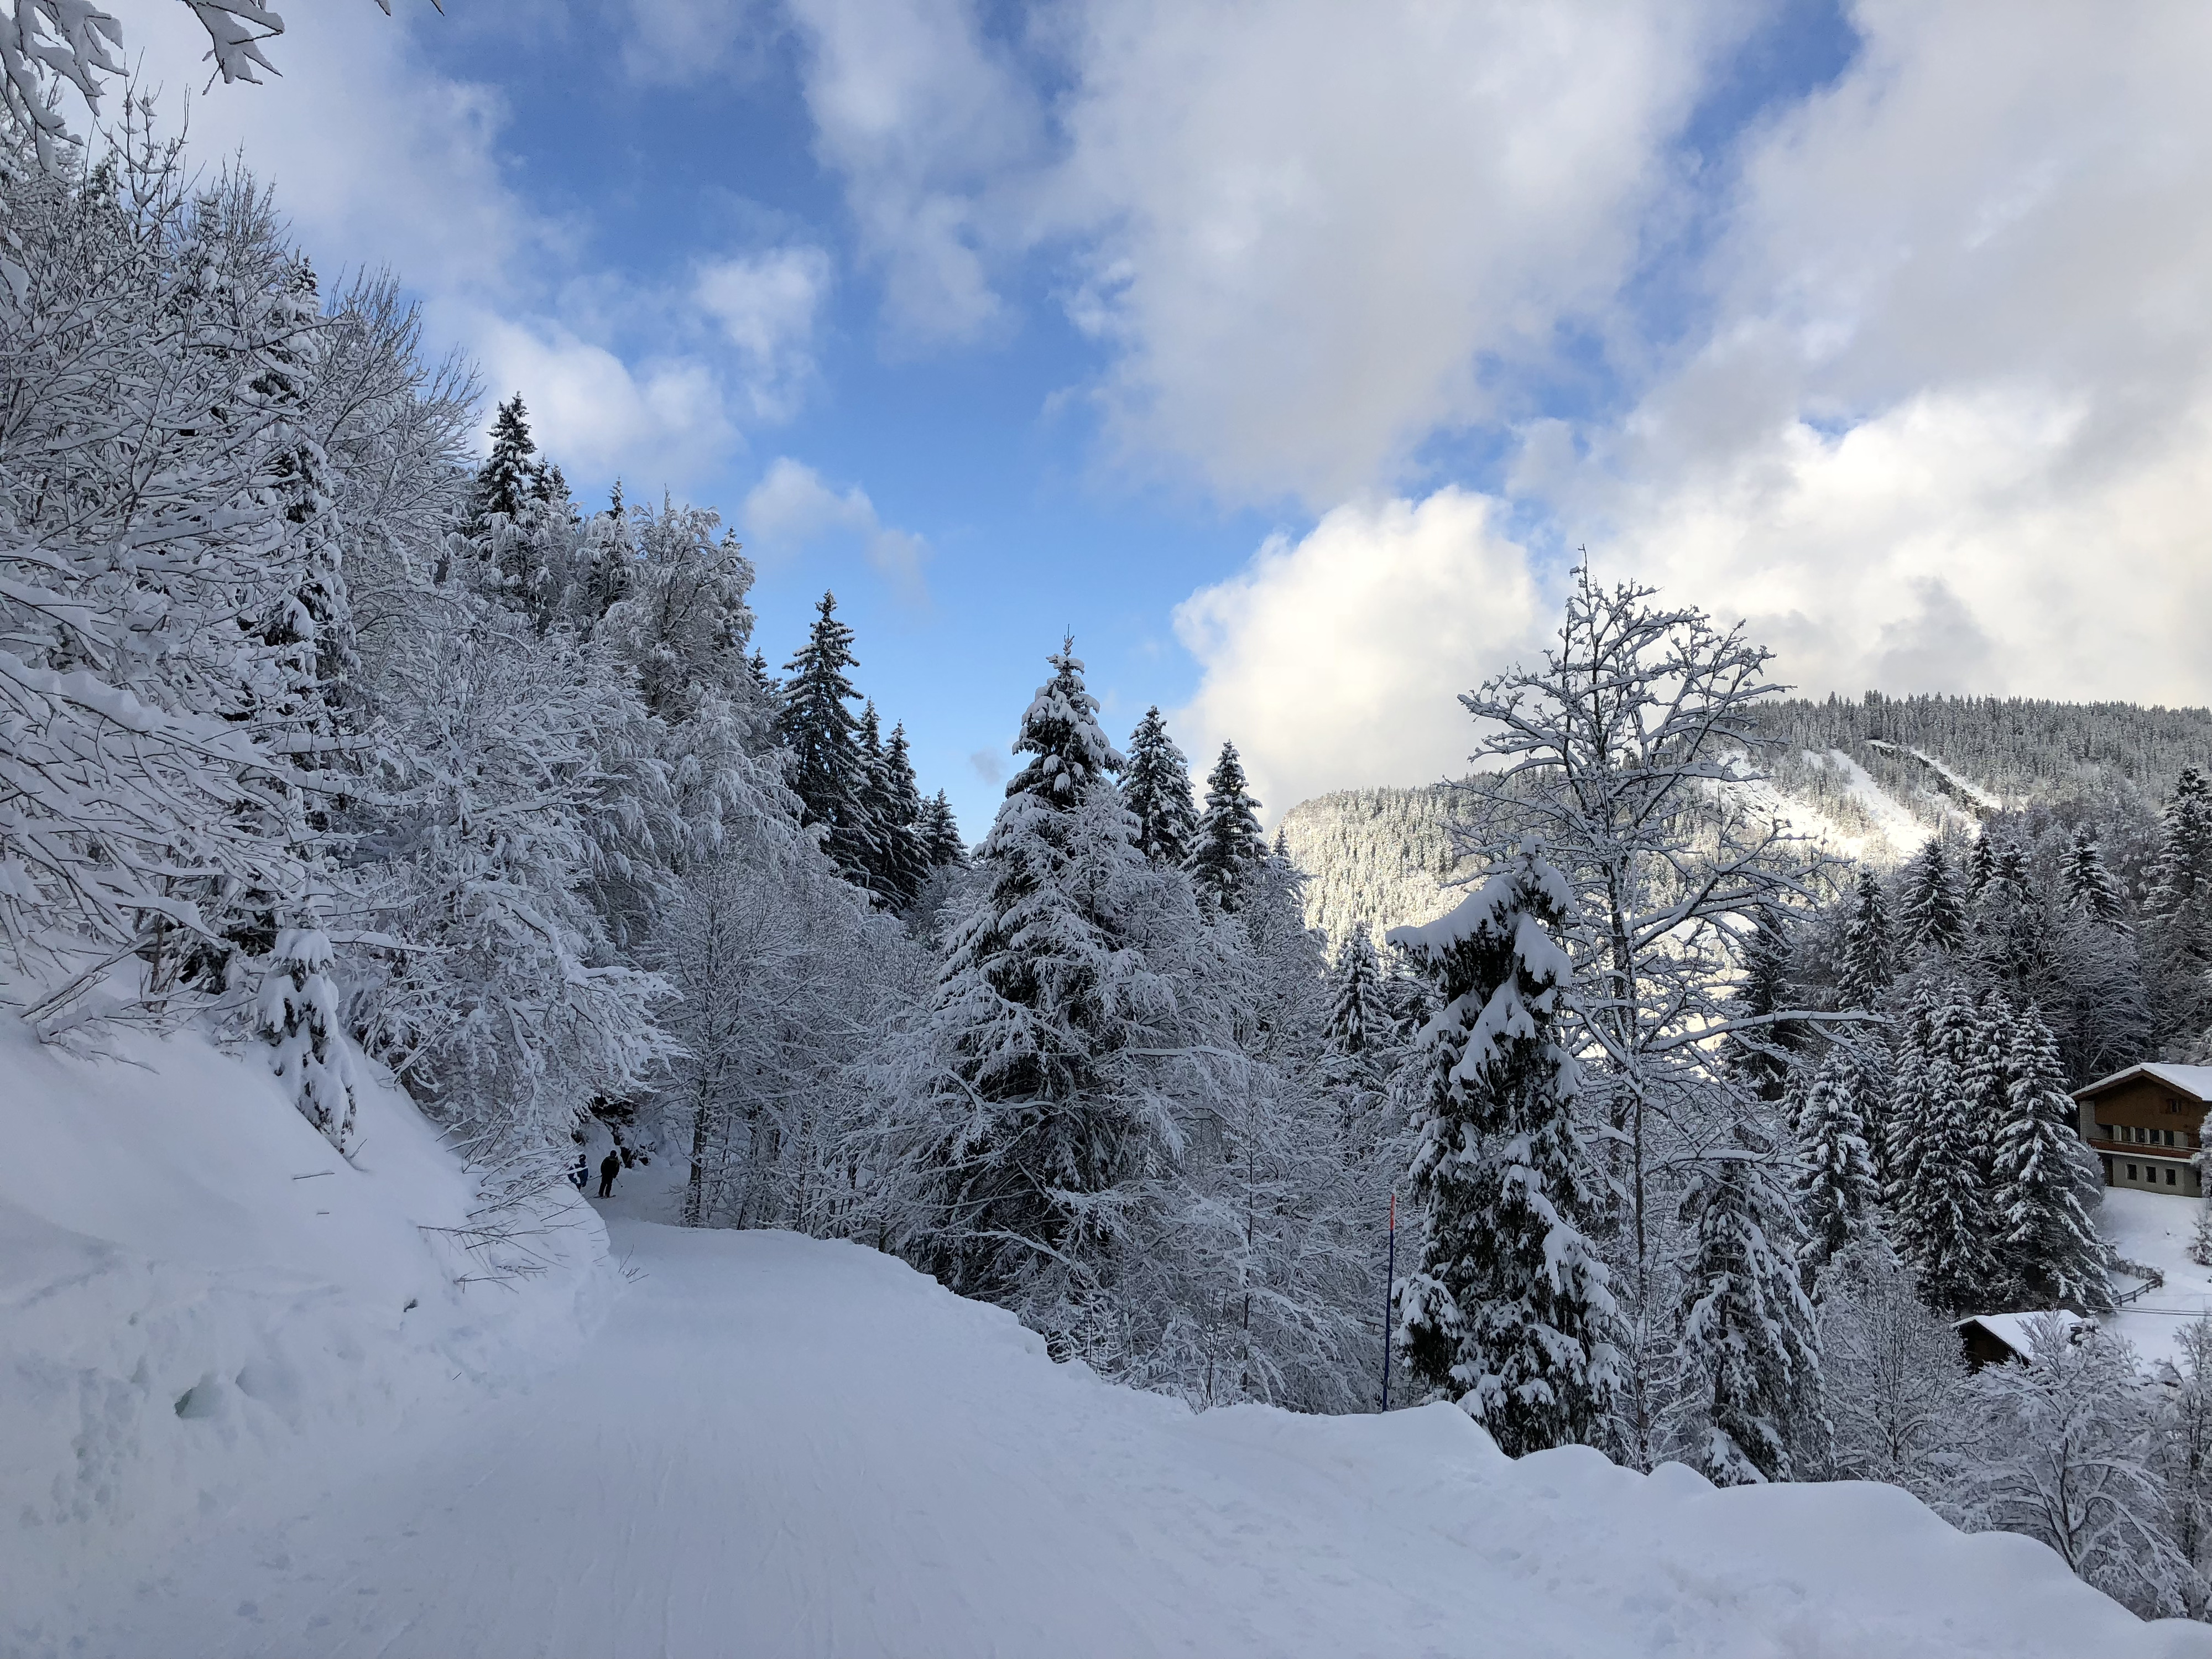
point(2177, 920)
point(940, 833)
point(1934, 920)
point(1865, 973)
point(1749, 1349)
point(902, 838)
point(1043, 988)
point(1227, 845)
point(510, 476)
point(2090, 889)
point(1509, 1310)
point(1156, 788)
point(1761, 1055)
point(827, 769)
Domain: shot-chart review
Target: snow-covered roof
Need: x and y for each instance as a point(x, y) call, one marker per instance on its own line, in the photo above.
point(2012, 1328)
point(2194, 1081)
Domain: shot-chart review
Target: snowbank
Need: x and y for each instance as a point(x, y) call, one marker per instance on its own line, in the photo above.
point(198, 1292)
point(779, 1446)
point(2156, 1230)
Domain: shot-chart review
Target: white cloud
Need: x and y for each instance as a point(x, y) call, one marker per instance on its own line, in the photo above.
point(1315, 238)
point(1337, 659)
point(929, 124)
point(791, 507)
point(765, 305)
point(1951, 427)
point(379, 159)
point(658, 424)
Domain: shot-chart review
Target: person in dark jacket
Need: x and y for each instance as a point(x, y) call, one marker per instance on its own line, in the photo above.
point(581, 1174)
point(610, 1167)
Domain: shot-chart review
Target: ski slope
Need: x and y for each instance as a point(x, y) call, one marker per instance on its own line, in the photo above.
point(780, 1446)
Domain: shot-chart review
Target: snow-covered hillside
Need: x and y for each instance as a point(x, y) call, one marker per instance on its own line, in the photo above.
point(1869, 780)
point(199, 1299)
point(248, 1409)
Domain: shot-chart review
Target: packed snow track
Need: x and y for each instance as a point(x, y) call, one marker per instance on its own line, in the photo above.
point(778, 1446)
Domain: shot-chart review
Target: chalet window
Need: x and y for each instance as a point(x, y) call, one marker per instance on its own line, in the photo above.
point(2169, 1177)
point(2132, 1176)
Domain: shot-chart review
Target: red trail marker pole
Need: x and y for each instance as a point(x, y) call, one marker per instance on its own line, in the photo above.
point(1389, 1302)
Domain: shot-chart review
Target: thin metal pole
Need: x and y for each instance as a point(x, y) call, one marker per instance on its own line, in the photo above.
point(1389, 1302)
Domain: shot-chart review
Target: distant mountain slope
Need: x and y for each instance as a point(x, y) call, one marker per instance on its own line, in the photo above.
point(1870, 780)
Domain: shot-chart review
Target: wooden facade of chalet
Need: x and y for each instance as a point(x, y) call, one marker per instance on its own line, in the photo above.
point(2145, 1123)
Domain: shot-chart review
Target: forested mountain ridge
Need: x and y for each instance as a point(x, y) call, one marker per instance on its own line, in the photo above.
point(1870, 780)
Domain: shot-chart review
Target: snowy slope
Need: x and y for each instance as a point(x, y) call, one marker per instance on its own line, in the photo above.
point(198, 1296)
point(784, 1447)
point(2156, 1230)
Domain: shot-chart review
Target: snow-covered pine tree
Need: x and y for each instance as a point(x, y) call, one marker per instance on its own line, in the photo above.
point(1359, 1019)
point(1938, 1199)
point(1837, 1191)
point(297, 1009)
point(1156, 788)
point(1227, 844)
point(1931, 918)
point(1981, 867)
point(2090, 887)
point(510, 476)
point(1509, 1308)
point(2048, 1244)
point(901, 836)
point(1865, 975)
point(2177, 920)
point(941, 832)
point(1751, 1401)
point(1761, 1054)
point(1038, 1131)
point(827, 770)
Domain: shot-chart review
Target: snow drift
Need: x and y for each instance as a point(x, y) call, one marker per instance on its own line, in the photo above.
point(198, 1296)
point(225, 1432)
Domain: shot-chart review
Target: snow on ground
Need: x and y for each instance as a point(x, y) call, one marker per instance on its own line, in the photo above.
point(222, 1432)
point(782, 1446)
point(199, 1297)
point(2156, 1230)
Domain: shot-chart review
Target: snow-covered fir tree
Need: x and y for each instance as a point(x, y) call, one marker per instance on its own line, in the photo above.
point(1837, 1191)
point(1865, 973)
point(1938, 1193)
point(297, 1009)
point(1509, 1308)
point(2048, 1243)
point(1932, 917)
point(1359, 1018)
point(2090, 887)
point(941, 832)
point(1156, 787)
point(1037, 1130)
point(1227, 845)
point(1751, 1395)
point(823, 736)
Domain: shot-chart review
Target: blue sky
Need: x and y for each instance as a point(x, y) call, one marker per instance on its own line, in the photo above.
point(1282, 352)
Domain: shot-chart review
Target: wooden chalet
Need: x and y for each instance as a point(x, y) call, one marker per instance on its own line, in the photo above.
point(2145, 1123)
point(1996, 1338)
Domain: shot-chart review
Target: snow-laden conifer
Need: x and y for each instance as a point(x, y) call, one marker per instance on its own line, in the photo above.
point(1866, 967)
point(1227, 844)
point(1751, 1403)
point(297, 1010)
point(1931, 918)
point(823, 736)
point(1040, 1128)
point(1938, 1197)
point(941, 832)
point(1509, 1309)
point(2090, 887)
point(1359, 1018)
point(2049, 1244)
point(1836, 1192)
point(1156, 787)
